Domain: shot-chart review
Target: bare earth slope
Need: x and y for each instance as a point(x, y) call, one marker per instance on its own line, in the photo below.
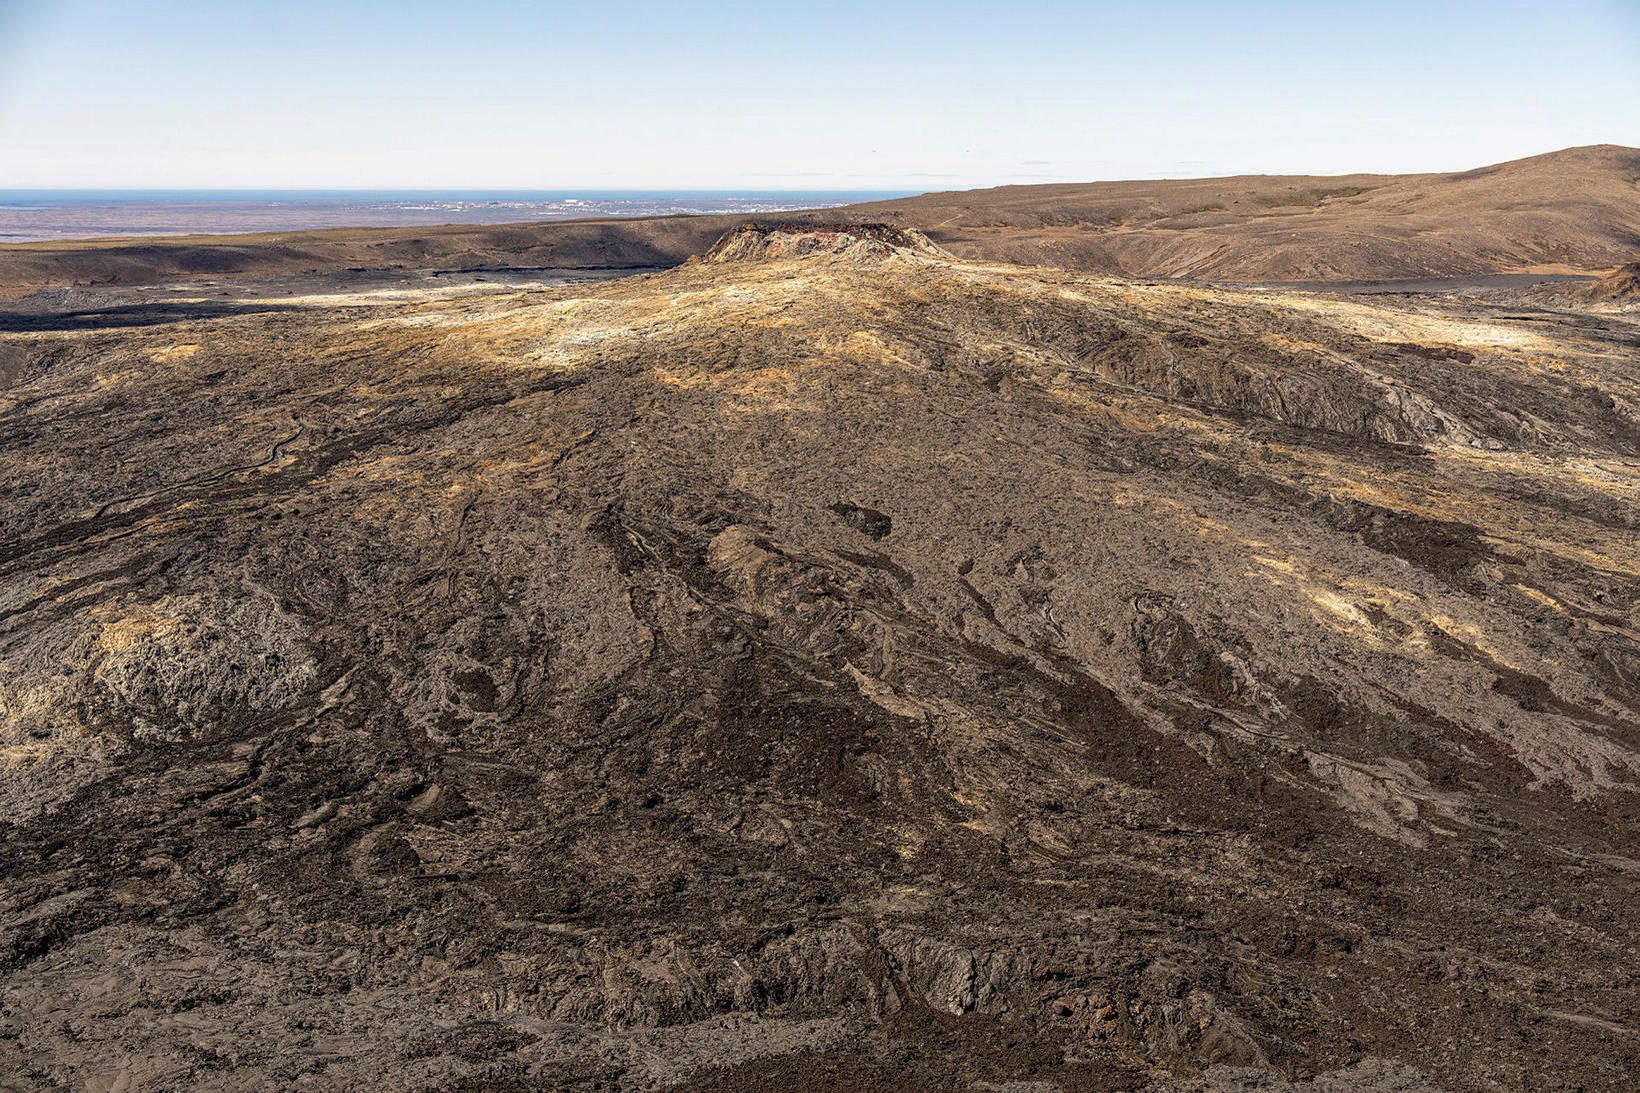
point(827, 664)
point(1577, 209)
point(587, 244)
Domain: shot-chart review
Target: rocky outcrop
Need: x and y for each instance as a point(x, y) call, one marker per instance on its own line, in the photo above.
point(1622, 285)
point(762, 242)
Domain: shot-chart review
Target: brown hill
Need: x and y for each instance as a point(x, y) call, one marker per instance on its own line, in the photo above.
point(1577, 209)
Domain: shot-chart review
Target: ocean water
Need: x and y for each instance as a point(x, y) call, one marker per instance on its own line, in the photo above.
point(40, 215)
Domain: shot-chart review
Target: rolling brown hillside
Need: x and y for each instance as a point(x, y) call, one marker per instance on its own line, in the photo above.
point(1577, 209)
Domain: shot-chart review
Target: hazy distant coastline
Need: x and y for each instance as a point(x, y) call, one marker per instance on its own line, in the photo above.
point(45, 215)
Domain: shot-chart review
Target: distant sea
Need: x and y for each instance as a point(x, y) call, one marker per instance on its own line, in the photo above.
point(36, 215)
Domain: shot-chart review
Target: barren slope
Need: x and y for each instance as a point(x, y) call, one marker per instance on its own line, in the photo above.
point(823, 662)
point(1577, 209)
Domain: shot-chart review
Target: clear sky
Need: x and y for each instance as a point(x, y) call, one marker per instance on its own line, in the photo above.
point(882, 94)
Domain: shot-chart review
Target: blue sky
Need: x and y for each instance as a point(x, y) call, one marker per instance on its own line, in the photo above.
point(872, 95)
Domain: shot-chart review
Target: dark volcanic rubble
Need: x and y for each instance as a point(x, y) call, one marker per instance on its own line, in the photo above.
point(829, 665)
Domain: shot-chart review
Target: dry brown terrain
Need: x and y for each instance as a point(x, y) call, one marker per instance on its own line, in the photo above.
point(1573, 210)
point(827, 664)
point(588, 244)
